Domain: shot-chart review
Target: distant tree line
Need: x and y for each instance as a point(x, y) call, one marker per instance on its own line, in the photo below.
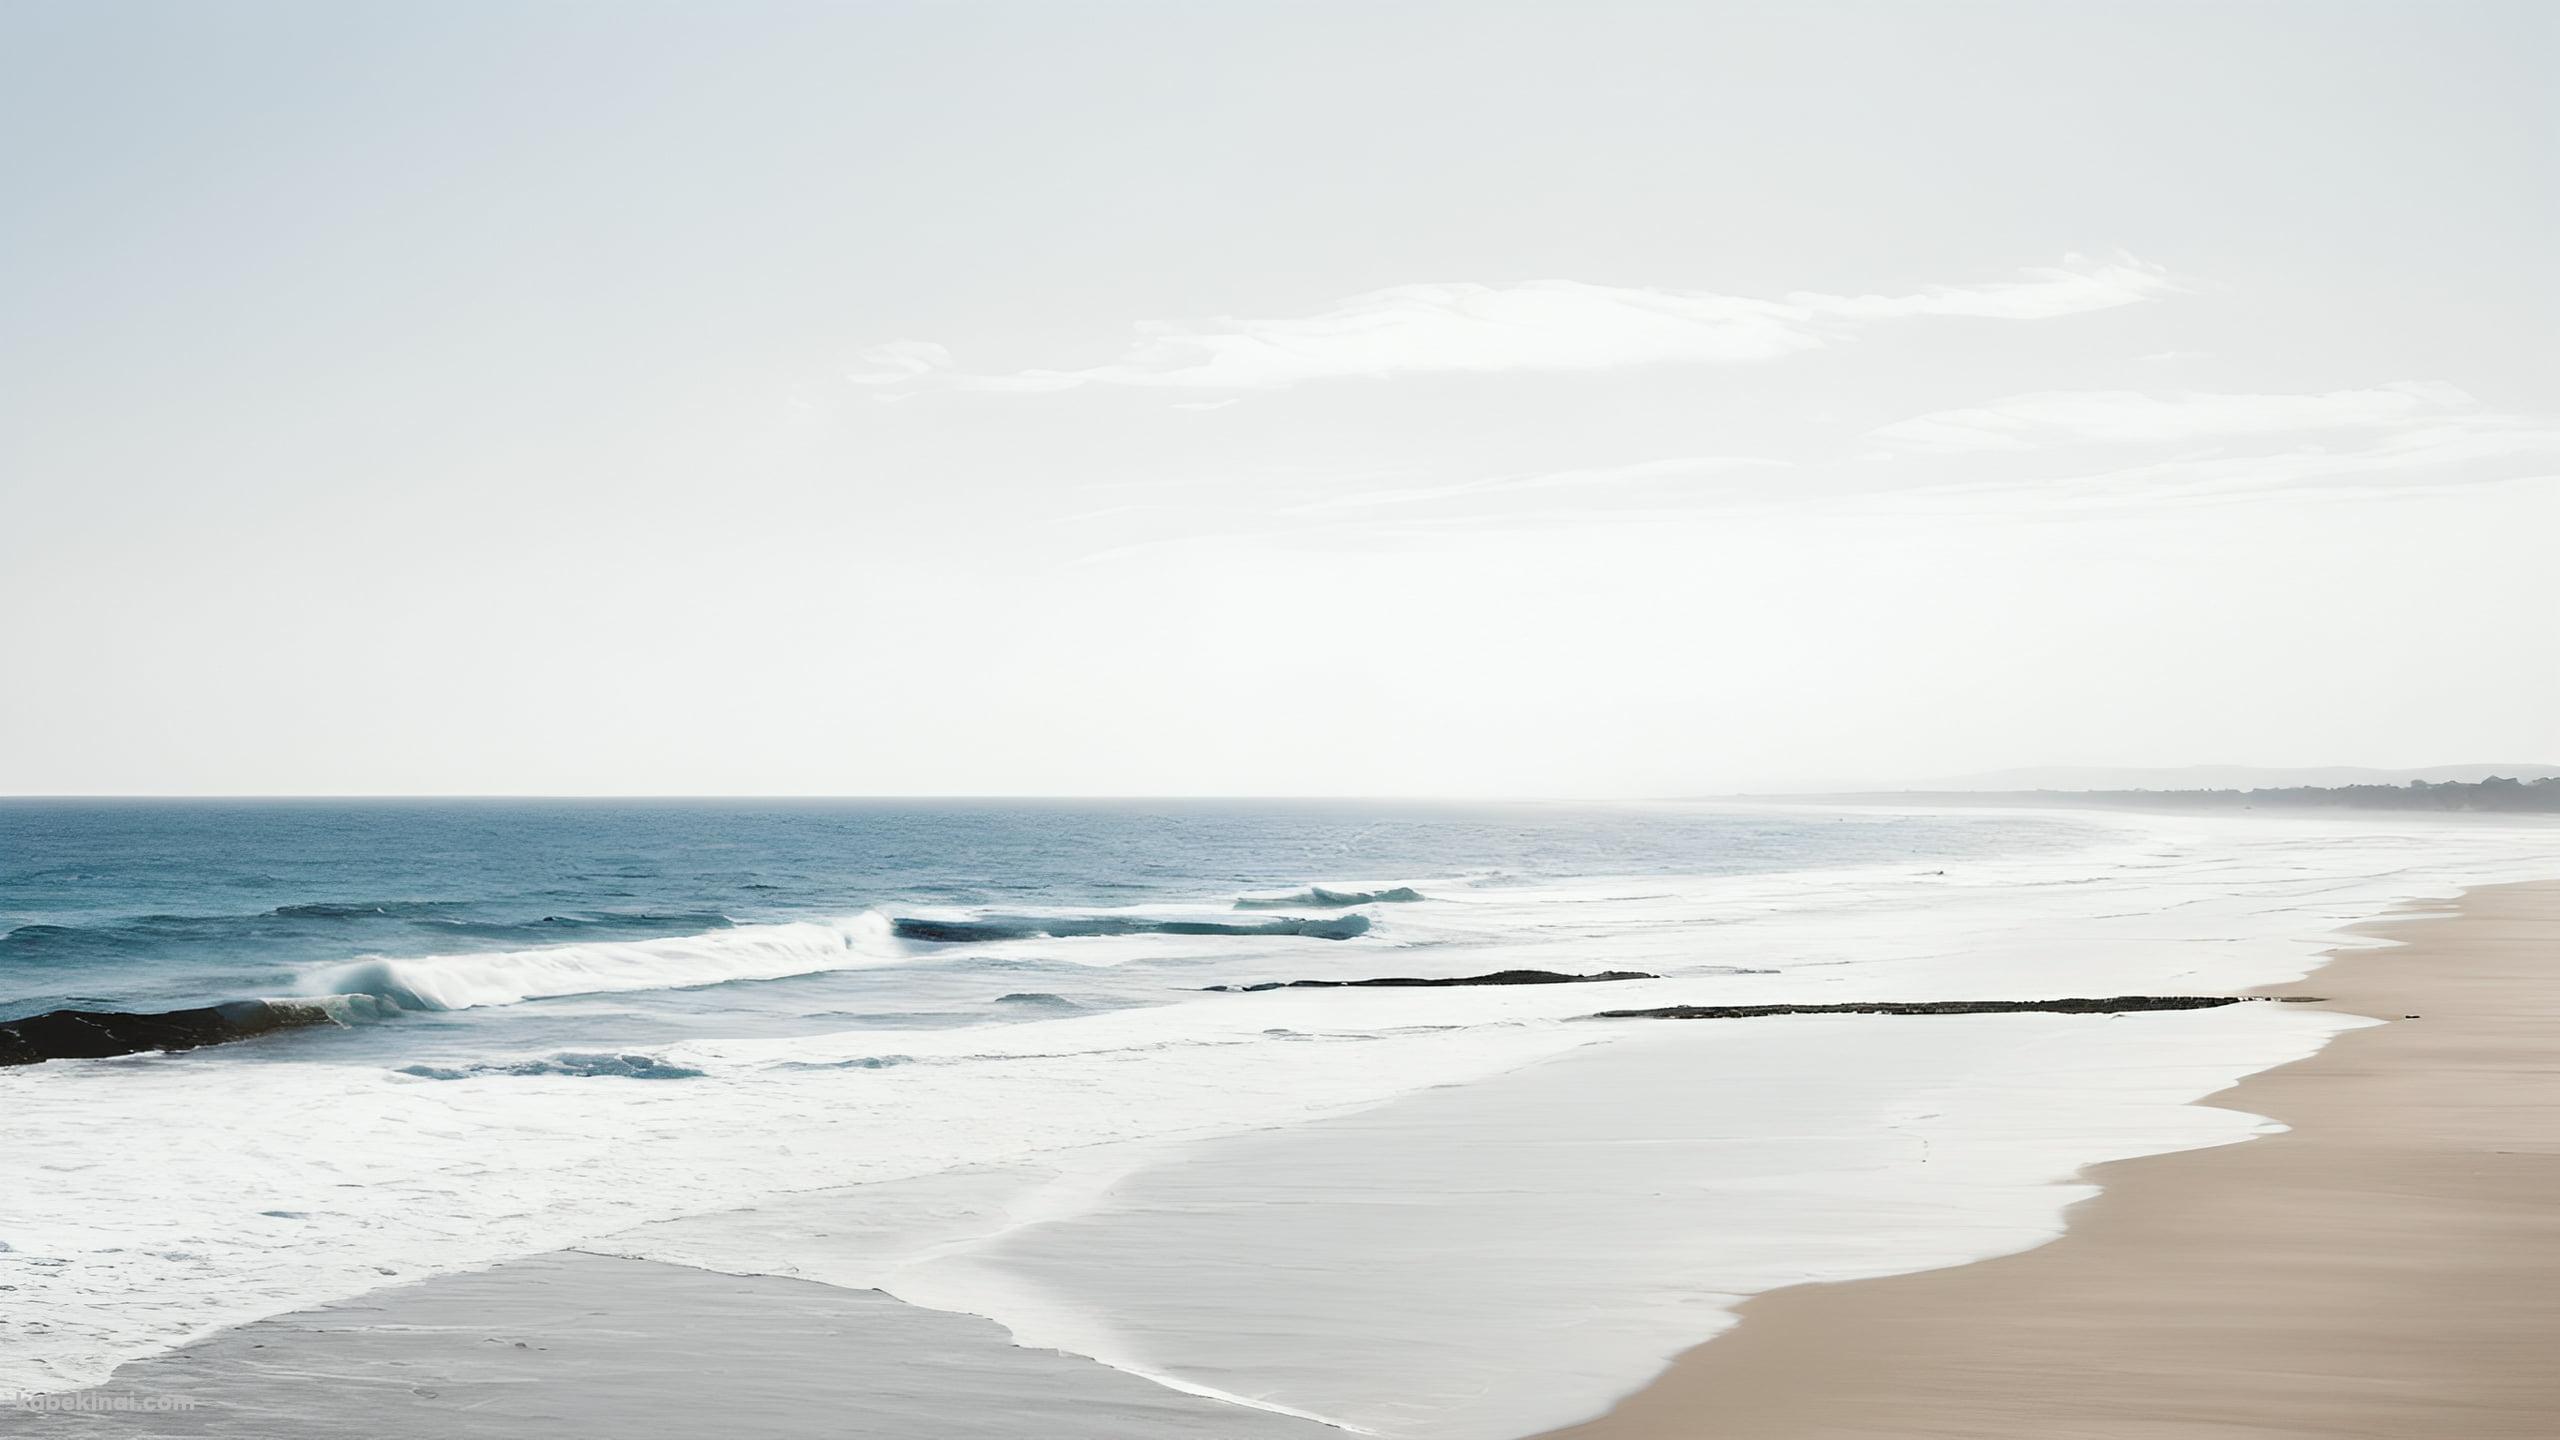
point(2495, 794)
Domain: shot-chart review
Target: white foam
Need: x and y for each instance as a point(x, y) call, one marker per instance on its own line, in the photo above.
point(149, 1202)
point(506, 977)
point(140, 1207)
point(1495, 1259)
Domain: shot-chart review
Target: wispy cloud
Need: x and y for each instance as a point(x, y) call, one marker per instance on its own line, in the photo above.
point(2421, 458)
point(2131, 417)
point(1551, 325)
point(2074, 287)
point(2400, 438)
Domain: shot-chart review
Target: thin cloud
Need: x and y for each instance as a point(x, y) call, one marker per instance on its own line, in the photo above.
point(2200, 448)
point(1539, 325)
point(2074, 287)
point(2131, 417)
point(2482, 450)
point(2428, 456)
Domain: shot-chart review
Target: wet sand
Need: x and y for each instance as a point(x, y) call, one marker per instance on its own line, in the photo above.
point(579, 1344)
point(2389, 1268)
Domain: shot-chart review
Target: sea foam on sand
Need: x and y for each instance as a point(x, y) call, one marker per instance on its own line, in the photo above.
point(1491, 1259)
point(1459, 1212)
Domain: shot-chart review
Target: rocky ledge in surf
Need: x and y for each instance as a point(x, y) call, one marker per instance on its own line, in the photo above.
point(2109, 1005)
point(96, 1034)
point(1069, 927)
point(1498, 977)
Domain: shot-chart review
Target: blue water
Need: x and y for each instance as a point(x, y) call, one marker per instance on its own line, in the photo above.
point(154, 905)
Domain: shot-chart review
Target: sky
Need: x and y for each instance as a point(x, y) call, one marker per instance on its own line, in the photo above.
point(1270, 398)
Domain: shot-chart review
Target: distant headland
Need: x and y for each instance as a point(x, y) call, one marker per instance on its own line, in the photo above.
point(2496, 794)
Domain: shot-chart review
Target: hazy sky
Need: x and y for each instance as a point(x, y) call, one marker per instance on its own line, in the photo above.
point(1293, 397)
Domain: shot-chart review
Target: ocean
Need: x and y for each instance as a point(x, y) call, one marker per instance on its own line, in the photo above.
point(694, 915)
point(1008, 1059)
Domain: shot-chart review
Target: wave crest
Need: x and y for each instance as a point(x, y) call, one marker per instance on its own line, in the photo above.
point(504, 977)
point(581, 1063)
point(1316, 897)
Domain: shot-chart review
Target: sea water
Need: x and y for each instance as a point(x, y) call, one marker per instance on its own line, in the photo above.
point(968, 1053)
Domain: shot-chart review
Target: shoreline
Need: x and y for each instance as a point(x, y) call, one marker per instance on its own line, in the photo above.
point(1767, 1156)
point(2388, 1267)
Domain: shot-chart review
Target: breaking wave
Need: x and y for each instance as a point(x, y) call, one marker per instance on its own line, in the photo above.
point(568, 1062)
point(1317, 897)
point(504, 977)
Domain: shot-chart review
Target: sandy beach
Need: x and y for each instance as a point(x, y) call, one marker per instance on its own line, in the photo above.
point(1400, 1267)
point(2389, 1267)
point(1031, 720)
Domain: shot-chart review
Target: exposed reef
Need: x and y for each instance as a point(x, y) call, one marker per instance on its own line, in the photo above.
point(96, 1034)
point(1498, 977)
point(2109, 1005)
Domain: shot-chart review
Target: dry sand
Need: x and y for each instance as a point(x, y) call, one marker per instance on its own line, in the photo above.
point(2388, 1268)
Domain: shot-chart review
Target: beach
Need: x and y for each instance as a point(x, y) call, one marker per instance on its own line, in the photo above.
point(1265, 721)
point(2387, 1267)
point(1065, 1160)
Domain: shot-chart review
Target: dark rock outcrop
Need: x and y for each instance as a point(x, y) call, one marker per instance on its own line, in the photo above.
point(95, 1034)
point(1498, 977)
point(2113, 1004)
point(1066, 927)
